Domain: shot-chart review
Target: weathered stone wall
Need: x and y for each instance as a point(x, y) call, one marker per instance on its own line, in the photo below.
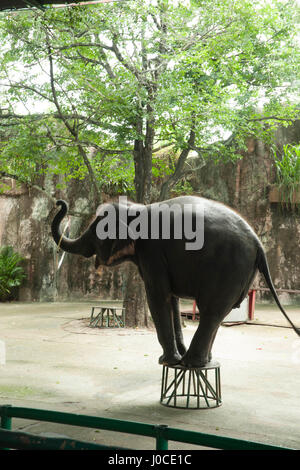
point(26, 218)
point(25, 224)
point(244, 185)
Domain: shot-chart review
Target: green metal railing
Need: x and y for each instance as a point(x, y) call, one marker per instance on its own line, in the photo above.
point(161, 433)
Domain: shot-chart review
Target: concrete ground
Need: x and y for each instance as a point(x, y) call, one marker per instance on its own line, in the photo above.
point(51, 359)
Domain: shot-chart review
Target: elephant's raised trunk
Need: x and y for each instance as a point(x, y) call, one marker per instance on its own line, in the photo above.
point(79, 245)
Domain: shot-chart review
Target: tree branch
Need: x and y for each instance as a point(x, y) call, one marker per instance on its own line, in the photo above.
point(27, 87)
point(75, 45)
point(270, 118)
point(41, 116)
point(128, 66)
point(179, 168)
point(53, 89)
point(72, 130)
point(103, 64)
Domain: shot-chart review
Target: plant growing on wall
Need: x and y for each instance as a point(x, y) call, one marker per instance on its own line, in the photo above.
point(11, 273)
point(288, 173)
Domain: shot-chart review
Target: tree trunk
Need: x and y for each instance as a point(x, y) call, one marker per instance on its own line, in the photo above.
point(135, 302)
point(143, 172)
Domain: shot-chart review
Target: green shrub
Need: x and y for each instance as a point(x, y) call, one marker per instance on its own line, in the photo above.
point(11, 273)
point(288, 171)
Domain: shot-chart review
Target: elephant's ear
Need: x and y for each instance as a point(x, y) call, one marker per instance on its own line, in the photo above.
point(123, 248)
point(120, 251)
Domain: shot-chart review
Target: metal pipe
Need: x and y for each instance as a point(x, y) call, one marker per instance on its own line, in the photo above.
point(161, 433)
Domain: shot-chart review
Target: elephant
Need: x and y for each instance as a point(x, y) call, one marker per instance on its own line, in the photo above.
point(217, 275)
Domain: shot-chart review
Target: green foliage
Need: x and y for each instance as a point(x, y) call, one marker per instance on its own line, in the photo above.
point(4, 187)
point(11, 273)
point(164, 162)
point(96, 82)
point(288, 172)
point(116, 174)
point(183, 187)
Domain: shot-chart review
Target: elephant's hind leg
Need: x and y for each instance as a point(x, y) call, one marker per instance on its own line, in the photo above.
point(199, 352)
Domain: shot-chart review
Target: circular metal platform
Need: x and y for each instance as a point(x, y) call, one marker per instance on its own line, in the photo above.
point(191, 388)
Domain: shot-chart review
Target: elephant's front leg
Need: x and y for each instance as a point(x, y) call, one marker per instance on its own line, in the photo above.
point(161, 309)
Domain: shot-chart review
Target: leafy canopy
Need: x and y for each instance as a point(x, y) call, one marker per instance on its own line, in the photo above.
point(85, 88)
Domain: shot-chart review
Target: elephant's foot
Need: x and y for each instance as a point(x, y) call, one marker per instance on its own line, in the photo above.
point(181, 349)
point(194, 361)
point(172, 360)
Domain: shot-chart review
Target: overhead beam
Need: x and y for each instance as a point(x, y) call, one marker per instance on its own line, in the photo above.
point(44, 4)
point(34, 3)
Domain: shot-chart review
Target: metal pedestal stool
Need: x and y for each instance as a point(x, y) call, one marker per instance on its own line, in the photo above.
point(199, 388)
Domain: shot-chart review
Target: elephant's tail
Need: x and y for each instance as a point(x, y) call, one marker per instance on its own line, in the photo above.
point(264, 269)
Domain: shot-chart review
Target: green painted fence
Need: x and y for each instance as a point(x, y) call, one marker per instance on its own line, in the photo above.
point(161, 433)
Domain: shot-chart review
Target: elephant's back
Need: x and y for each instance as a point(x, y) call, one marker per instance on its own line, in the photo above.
point(217, 221)
point(228, 254)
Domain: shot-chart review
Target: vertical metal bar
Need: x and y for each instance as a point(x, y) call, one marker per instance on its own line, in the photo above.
point(173, 384)
point(204, 394)
point(162, 384)
point(97, 319)
point(175, 390)
point(161, 441)
point(193, 374)
point(5, 420)
point(168, 387)
point(167, 376)
point(92, 315)
point(218, 385)
point(189, 390)
point(209, 386)
point(198, 390)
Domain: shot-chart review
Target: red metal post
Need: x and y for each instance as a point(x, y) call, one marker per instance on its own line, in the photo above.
point(251, 305)
point(194, 310)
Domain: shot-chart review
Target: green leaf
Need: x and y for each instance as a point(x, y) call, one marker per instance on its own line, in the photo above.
point(11, 274)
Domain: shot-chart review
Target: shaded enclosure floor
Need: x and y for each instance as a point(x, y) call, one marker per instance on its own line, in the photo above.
point(51, 359)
